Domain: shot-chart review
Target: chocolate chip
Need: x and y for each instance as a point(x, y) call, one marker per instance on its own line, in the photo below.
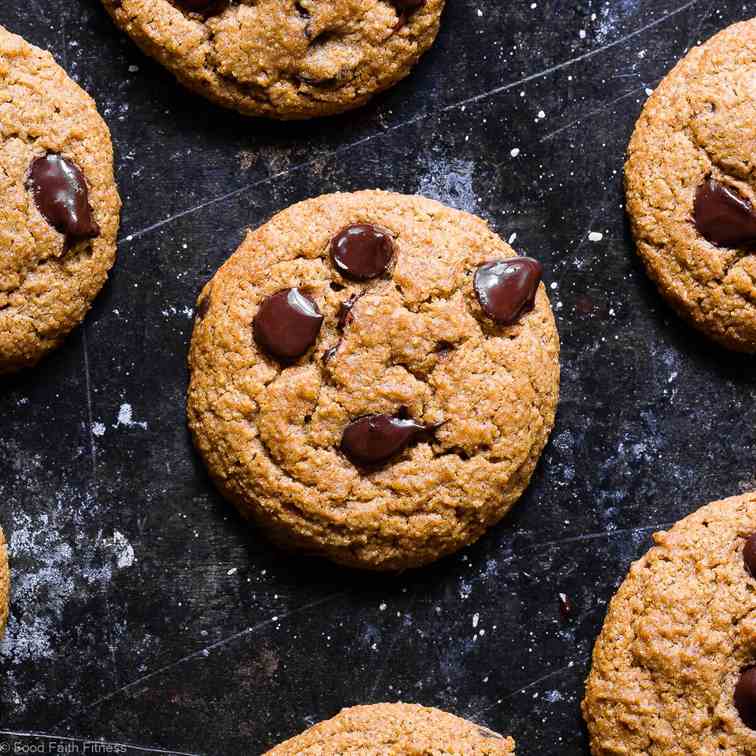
point(287, 324)
point(62, 197)
point(407, 5)
point(749, 555)
point(345, 311)
point(203, 307)
point(506, 289)
point(205, 7)
point(374, 439)
point(722, 216)
point(362, 251)
point(745, 697)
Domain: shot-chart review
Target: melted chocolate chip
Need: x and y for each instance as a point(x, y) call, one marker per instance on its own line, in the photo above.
point(407, 5)
point(203, 307)
point(506, 289)
point(749, 555)
point(205, 7)
point(722, 216)
point(287, 324)
point(745, 697)
point(61, 195)
point(362, 251)
point(374, 439)
point(345, 311)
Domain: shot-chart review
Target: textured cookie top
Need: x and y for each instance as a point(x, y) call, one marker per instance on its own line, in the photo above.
point(396, 730)
point(283, 58)
point(700, 125)
point(4, 583)
point(58, 203)
point(678, 637)
point(413, 344)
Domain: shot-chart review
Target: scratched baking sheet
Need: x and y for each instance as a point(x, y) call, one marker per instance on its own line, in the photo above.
point(144, 612)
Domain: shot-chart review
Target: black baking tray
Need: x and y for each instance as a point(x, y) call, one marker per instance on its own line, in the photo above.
point(145, 612)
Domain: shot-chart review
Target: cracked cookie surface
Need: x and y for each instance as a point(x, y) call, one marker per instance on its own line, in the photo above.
point(396, 730)
point(699, 124)
point(413, 340)
point(679, 634)
point(283, 58)
point(56, 166)
point(4, 583)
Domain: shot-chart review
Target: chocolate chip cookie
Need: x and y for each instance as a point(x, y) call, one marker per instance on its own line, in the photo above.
point(283, 58)
point(396, 730)
point(691, 187)
point(59, 207)
point(4, 583)
point(373, 378)
point(674, 669)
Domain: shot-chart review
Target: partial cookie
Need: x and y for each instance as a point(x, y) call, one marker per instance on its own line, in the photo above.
point(691, 187)
point(283, 58)
point(4, 583)
point(373, 378)
point(396, 730)
point(674, 669)
point(59, 207)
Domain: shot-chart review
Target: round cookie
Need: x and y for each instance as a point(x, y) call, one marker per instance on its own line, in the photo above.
point(350, 393)
point(283, 59)
point(691, 188)
point(4, 583)
point(672, 666)
point(396, 730)
point(59, 206)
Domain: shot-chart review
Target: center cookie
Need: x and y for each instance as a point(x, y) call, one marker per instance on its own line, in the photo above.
point(373, 378)
point(283, 58)
point(394, 730)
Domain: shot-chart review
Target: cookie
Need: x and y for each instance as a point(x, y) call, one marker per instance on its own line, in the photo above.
point(674, 667)
point(4, 583)
point(59, 207)
point(395, 730)
point(284, 59)
point(373, 378)
point(691, 191)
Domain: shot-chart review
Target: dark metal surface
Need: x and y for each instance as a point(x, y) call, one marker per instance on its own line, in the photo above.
point(145, 612)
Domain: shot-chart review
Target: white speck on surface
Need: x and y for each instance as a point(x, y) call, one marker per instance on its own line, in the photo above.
point(595, 236)
point(123, 550)
point(232, 571)
point(475, 620)
point(515, 152)
point(125, 418)
point(98, 429)
point(512, 238)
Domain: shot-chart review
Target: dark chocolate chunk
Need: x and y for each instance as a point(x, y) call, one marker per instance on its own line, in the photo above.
point(407, 5)
point(374, 439)
point(287, 324)
point(722, 216)
point(565, 606)
point(345, 311)
point(745, 697)
point(506, 289)
point(203, 307)
point(61, 194)
point(362, 251)
point(205, 7)
point(749, 555)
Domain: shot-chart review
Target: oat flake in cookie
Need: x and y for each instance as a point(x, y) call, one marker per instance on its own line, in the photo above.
point(395, 730)
point(383, 418)
point(59, 207)
point(673, 668)
point(283, 58)
point(691, 187)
